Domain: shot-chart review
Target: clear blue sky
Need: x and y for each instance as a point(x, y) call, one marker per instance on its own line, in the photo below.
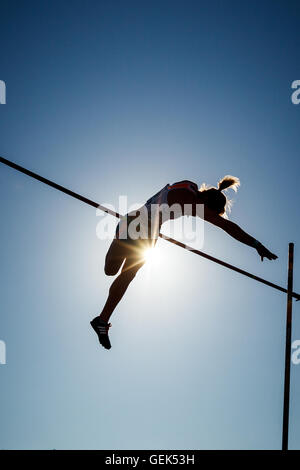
point(117, 98)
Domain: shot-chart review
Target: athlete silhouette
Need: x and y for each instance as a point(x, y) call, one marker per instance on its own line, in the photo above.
point(134, 234)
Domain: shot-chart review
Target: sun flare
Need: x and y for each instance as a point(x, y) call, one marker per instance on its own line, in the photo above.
point(152, 256)
point(149, 254)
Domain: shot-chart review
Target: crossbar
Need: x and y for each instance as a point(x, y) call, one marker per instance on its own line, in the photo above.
point(164, 237)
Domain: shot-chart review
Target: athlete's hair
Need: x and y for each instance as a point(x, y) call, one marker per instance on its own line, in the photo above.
point(215, 199)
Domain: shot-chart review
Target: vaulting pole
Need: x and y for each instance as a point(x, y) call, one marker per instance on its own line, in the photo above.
point(288, 345)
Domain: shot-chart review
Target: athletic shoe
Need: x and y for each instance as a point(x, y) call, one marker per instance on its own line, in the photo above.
point(101, 327)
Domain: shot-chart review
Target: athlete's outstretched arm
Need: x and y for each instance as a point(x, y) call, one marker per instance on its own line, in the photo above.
point(236, 232)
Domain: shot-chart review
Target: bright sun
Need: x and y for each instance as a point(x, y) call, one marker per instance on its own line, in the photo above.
point(149, 254)
point(152, 256)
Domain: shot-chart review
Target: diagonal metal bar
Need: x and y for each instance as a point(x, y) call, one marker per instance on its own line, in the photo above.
point(164, 237)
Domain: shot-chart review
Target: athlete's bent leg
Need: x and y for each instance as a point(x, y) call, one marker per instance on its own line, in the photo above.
point(114, 258)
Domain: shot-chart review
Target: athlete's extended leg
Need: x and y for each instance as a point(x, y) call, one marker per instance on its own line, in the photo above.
point(134, 260)
point(119, 287)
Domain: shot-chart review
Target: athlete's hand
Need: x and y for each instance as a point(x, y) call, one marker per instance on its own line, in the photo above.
point(265, 253)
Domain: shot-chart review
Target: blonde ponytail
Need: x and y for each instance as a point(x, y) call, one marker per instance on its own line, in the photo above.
point(229, 182)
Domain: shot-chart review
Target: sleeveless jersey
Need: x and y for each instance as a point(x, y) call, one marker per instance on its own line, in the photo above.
point(156, 210)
